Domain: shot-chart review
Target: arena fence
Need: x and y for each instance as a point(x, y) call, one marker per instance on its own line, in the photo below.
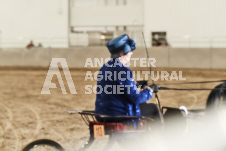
point(76, 57)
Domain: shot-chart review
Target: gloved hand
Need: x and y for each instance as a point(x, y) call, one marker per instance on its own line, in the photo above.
point(154, 87)
point(142, 84)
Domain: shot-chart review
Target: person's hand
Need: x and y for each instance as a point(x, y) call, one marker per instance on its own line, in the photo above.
point(154, 87)
point(142, 84)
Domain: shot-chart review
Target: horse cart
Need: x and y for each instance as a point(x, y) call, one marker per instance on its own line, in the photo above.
point(134, 128)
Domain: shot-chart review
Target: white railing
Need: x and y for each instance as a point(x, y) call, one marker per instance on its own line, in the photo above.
point(198, 42)
point(105, 2)
point(22, 42)
point(83, 40)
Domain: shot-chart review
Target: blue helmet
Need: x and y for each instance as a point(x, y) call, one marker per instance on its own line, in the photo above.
point(121, 43)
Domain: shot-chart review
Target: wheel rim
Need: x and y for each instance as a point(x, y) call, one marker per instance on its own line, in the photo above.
point(44, 147)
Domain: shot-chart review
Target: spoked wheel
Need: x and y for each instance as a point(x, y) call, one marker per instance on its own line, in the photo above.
point(43, 145)
point(217, 98)
point(216, 108)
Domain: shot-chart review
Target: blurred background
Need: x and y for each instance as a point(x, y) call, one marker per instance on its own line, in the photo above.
point(71, 23)
point(182, 35)
point(176, 28)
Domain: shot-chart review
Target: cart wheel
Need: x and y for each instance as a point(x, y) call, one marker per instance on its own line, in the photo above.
point(43, 145)
point(216, 98)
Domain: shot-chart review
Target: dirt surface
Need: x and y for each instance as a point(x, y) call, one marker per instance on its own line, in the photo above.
point(27, 115)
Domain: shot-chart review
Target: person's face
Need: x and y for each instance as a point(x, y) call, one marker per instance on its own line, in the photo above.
point(127, 57)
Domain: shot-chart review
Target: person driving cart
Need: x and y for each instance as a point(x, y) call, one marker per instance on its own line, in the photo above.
point(120, 95)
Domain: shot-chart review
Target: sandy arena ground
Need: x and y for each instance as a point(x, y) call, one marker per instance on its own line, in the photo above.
point(27, 115)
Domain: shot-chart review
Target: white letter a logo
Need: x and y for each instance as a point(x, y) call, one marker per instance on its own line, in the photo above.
point(53, 69)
